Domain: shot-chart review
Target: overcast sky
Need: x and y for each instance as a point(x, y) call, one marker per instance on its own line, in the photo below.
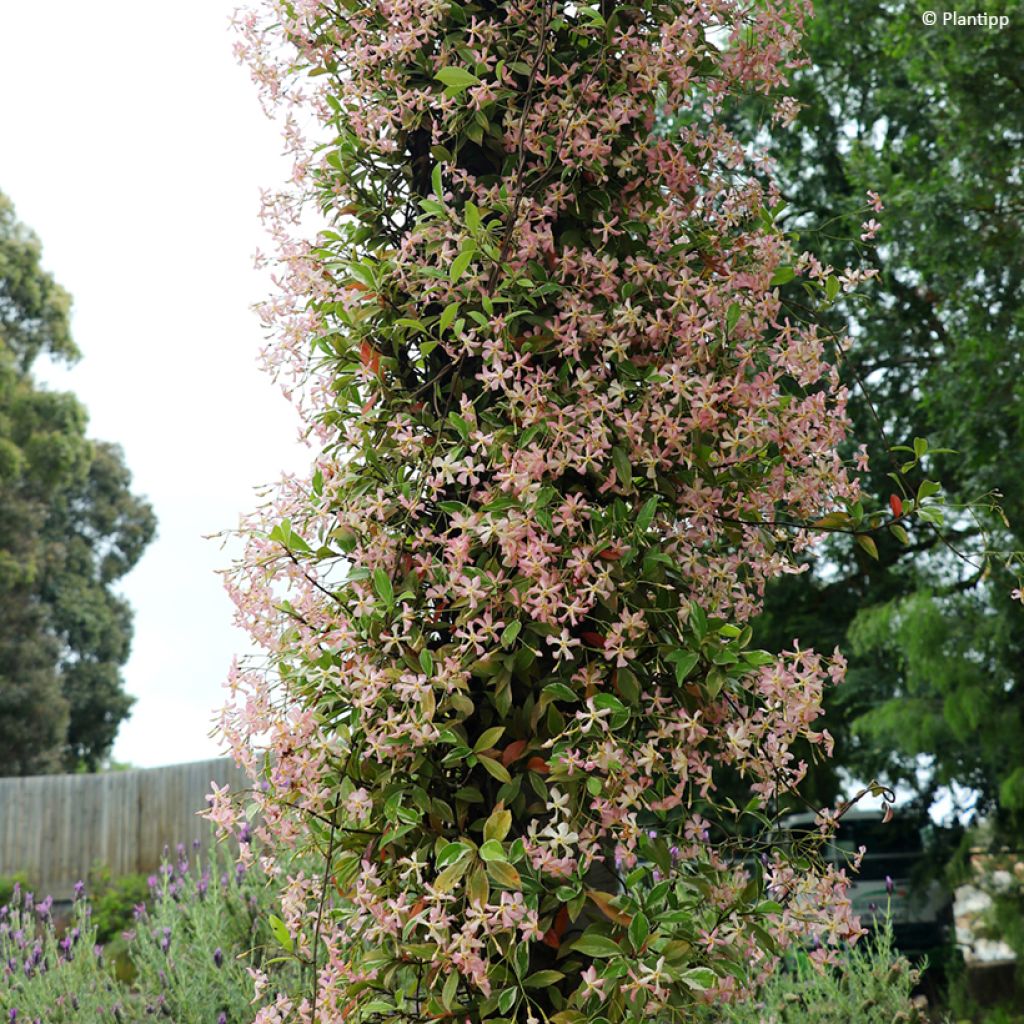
point(135, 147)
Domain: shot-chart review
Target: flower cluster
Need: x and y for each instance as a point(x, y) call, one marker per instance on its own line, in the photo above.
point(568, 431)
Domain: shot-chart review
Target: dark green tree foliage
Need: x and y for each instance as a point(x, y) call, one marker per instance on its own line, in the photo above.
point(933, 119)
point(70, 528)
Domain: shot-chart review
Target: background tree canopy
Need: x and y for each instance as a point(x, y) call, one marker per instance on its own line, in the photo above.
point(932, 119)
point(70, 528)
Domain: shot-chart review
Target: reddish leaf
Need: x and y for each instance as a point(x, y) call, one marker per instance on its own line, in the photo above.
point(538, 765)
point(369, 357)
point(603, 901)
point(896, 504)
point(594, 639)
point(513, 751)
point(553, 936)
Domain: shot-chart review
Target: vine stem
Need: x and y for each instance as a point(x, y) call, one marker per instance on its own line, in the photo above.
point(320, 910)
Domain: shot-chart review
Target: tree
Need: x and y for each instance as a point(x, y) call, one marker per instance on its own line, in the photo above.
point(70, 528)
point(932, 120)
point(567, 434)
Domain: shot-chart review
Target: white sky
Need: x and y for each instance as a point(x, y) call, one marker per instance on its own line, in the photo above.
point(135, 147)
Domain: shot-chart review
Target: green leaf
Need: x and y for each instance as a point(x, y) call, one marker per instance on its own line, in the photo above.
point(684, 663)
point(460, 425)
point(623, 467)
point(868, 544)
point(832, 287)
point(435, 181)
point(732, 317)
point(459, 264)
point(426, 662)
point(495, 768)
point(699, 978)
point(448, 316)
point(559, 691)
point(448, 878)
point(782, 276)
point(639, 929)
point(497, 825)
point(383, 588)
point(450, 853)
point(609, 702)
point(281, 933)
point(646, 516)
point(899, 533)
point(504, 875)
point(509, 634)
point(492, 850)
point(597, 946)
point(456, 79)
point(451, 987)
point(507, 999)
point(488, 738)
point(541, 979)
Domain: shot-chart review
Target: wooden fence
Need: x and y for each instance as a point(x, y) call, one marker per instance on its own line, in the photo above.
point(54, 828)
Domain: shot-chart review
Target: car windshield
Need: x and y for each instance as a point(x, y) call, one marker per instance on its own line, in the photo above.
point(892, 848)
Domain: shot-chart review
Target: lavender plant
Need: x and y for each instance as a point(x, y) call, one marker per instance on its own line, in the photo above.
point(195, 945)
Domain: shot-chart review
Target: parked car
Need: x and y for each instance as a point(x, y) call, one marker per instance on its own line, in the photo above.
point(894, 876)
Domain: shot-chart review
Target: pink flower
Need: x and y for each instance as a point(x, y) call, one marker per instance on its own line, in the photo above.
point(869, 229)
point(592, 984)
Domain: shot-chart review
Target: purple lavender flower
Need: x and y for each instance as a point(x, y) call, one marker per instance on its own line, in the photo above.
point(218, 956)
point(889, 885)
point(222, 1018)
point(245, 833)
point(165, 942)
point(79, 889)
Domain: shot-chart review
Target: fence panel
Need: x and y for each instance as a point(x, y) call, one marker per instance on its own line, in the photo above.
point(54, 828)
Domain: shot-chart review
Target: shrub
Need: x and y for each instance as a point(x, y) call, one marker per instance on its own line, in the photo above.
point(8, 883)
point(202, 934)
point(113, 901)
point(568, 430)
point(191, 950)
point(870, 984)
point(56, 978)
